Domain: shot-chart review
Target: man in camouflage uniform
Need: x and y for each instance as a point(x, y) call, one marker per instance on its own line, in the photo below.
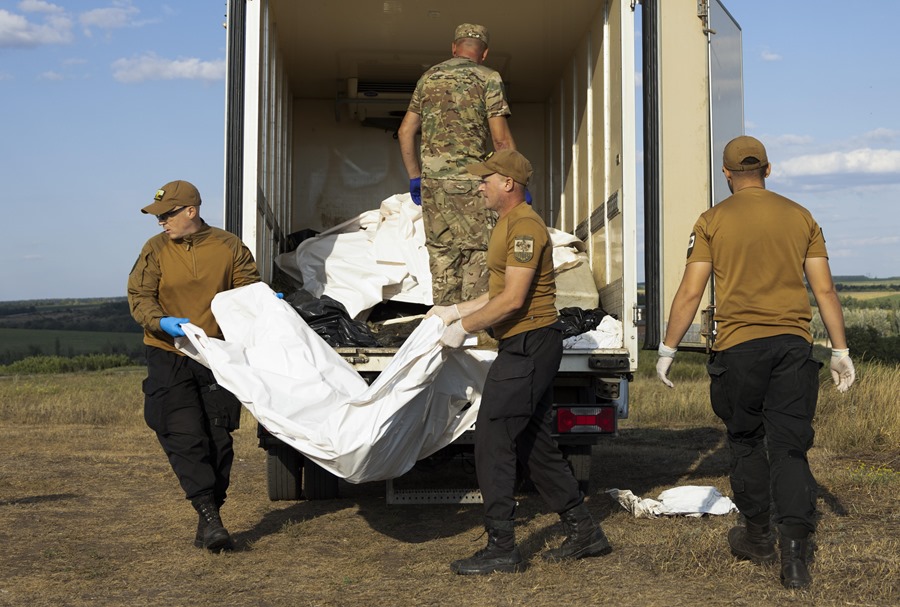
point(457, 104)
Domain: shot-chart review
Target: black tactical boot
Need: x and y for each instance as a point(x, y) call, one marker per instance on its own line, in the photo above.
point(500, 554)
point(201, 531)
point(584, 537)
point(753, 543)
point(211, 534)
point(794, 559)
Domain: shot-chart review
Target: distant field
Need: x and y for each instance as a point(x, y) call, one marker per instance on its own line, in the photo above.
point(885, 299)
point(66, 343)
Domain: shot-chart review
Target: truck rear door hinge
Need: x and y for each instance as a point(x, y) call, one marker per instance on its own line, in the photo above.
point(703, 13)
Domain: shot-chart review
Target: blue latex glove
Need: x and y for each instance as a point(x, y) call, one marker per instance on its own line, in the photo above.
point(527, 196)
point(415, 190)
point(172, 325)
point(279, 295)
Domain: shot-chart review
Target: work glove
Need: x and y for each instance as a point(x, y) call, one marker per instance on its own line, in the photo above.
point(842, 371)
point(446, 313)
point(172, 325)
point(454, 335)
point(279, 295)
point(527, 196)
point(666, 358)
point(415, 190)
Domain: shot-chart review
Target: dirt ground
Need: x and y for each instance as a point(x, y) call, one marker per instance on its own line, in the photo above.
point(94, 516)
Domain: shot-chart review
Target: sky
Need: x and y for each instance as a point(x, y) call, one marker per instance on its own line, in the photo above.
point(103, 101)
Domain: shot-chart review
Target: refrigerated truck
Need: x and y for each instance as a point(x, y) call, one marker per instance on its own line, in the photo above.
point(315, 93)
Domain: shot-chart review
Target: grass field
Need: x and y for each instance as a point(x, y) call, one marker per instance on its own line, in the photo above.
point(91, 514)
point(880, 298)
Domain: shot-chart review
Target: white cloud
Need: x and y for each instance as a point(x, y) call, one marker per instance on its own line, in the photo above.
point(880, 136)
point(120, 15)
point(865, 160)
point(17, 32)
point(51, 75)
point(152, 67)
point(39, 6)
point(768, 55)
point(788, 139)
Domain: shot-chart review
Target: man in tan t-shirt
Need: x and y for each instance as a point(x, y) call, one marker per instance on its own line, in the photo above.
point(516, 405)
point(763, 380)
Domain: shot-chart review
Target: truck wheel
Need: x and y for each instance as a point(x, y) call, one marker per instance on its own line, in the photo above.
point(284, 470)
point(318, 483)
point(579, 457)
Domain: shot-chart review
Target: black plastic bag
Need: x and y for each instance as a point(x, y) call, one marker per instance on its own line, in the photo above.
point(331, 321)
point(576, 321)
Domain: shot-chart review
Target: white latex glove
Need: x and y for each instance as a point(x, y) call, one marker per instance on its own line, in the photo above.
point(666, 358)
point(446, 313)
point(454, 335)
point(842, 371)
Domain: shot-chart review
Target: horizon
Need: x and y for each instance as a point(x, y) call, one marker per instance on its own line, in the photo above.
point(837, 280)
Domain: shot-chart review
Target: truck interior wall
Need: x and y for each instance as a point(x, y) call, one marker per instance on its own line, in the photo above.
point(265, 203)
point(585, 148)
point(343, 168)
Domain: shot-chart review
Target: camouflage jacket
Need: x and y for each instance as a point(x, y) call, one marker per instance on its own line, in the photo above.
point(455, 98)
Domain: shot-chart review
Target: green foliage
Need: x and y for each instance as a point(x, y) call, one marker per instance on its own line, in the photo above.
point(867, 342)
point(866, 475)
point(57, 364)
point(21, 343)
point(102, 314)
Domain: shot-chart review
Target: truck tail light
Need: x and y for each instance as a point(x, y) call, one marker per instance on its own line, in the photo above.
point(571, 420)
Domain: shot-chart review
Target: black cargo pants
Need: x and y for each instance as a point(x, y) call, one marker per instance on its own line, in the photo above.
point(193, 418)
point(514, 423)
point(765, 390)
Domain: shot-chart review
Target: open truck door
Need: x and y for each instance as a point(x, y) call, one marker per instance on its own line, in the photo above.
point(693, 106)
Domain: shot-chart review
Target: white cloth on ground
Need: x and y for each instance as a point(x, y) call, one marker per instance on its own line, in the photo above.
point(689, 500)
point(303, 392)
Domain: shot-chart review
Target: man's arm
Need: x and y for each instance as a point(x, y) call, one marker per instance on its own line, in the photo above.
point(503, 305)
point(818, 273)
point(500, 133)
point(406, 134)
point(245, 270)
point(686, 302)
point(143, 290)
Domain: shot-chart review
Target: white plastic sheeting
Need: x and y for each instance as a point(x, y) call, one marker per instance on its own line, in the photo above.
point(380, 255)
point(689, 500)
point(307, 395)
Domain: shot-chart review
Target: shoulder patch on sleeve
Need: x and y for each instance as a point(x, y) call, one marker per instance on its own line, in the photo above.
point(691, 244)
point(523, 248)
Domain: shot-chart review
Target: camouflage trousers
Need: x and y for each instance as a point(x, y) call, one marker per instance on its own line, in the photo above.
point(457, 230)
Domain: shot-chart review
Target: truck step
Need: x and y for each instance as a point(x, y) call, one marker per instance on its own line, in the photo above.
point(431, 496)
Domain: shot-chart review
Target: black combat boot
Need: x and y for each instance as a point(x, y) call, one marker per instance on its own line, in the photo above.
point(753, 543)
point(211, 534)
point(500, 554)
point(201, 531)
point(794, 560)
point(584, 537)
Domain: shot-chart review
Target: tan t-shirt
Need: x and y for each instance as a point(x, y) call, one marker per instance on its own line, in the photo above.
point(521, 239)
point(758, 242)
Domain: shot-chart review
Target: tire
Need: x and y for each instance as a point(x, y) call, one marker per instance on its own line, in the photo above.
point(284, 470)
point(318, 483)
point(579, 457)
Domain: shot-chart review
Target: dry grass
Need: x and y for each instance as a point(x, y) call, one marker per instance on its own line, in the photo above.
point(90, 514)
